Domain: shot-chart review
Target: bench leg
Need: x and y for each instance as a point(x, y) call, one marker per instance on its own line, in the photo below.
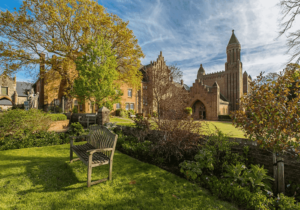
point(89, 171)
point(110, 170)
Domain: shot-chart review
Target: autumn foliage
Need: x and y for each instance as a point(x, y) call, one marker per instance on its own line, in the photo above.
point(271, 113)
point(60, 29)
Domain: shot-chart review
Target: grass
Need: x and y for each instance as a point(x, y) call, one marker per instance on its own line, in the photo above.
point(43, 178)
point(225, 127)
point(122, 121)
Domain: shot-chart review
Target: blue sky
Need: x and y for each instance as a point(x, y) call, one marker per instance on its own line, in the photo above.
point(191, 32)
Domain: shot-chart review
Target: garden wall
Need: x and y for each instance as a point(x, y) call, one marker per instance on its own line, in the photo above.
point(258, 155)
point(264, 157)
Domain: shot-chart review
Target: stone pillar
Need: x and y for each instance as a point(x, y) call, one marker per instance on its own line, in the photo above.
point(15, 98)
point(103, 116)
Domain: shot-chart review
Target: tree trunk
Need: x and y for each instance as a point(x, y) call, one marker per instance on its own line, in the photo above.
point(275, 174)
point(280, 168)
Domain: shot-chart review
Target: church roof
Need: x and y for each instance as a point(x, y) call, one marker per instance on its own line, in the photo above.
point(186, 87)
point(22, 87)
point(233, 39)
point(223, 97)
point(201, 69)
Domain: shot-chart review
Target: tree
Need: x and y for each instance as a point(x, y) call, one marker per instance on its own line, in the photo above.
point(269, 78)
point(175, 72)
point(97, 74)
point(169, 99)
point(63, 28)
point(164, 95)
point(269, 116)
point(290, 9)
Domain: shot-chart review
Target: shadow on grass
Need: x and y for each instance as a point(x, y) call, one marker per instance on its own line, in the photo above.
point(152, 188)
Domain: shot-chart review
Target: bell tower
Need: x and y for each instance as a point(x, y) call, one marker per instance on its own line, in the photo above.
point(233, 73)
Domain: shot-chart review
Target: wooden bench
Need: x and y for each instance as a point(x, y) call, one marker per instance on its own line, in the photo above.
point(88, 119)
point(99, 150)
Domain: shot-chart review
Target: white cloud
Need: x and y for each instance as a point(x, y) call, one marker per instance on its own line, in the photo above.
point(198, 32)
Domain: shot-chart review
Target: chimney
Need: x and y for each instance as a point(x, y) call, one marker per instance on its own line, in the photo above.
point(181, 81)
point(171, 79)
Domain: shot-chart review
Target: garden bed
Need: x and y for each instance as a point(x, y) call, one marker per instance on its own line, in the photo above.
point(212, 180)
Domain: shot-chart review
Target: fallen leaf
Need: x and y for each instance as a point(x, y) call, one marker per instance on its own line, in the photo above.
point(132, 182)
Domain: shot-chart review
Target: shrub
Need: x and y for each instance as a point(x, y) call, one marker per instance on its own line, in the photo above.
point(19, 123)
point(141, 149)
point(118, 112)
point(212, 157)
point(58, 117)
point(256, 177)
point(57, 109)
point(76, 129)
point(154, 114)
point(180, 137)
point(42, 138)
point(75, 110)
point(123, 113)
point(188, 110)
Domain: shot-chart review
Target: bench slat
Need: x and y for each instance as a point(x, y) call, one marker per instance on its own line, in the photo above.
point(98, 157)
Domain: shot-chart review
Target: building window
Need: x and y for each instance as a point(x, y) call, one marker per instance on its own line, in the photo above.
point(4, 90)
point(118, 106)
point(80, 106)
point(132, 106)
point(129, 92)
point(76, 103)
point(145, 101)
point(127, 106)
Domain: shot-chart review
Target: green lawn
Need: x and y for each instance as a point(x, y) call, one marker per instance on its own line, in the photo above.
point(122, 121)
point(225, 127)
point(43, 178)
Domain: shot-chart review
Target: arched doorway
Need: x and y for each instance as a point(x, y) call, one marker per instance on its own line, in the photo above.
point(199, 111)
point(5, 103)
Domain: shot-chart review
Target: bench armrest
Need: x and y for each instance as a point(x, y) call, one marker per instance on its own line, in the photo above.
point(91, 151)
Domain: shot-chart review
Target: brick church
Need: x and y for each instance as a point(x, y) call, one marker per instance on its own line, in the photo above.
point(218, 93)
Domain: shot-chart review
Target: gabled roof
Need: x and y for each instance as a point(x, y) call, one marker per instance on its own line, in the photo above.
point(233, 39)
point(223, 97)
point(186, 87)
point(22, 87)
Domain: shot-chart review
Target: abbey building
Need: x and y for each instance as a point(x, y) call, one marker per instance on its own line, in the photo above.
point(218, 93)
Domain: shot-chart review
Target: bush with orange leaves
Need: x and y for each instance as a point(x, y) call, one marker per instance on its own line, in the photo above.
point(271, 113)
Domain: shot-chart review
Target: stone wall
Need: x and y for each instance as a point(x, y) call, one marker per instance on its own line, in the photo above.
point(258, 155)
point(11, 84)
